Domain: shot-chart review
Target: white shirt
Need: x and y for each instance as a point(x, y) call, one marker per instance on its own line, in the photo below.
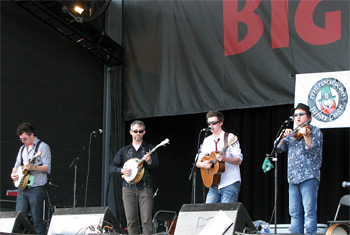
point(232, 172)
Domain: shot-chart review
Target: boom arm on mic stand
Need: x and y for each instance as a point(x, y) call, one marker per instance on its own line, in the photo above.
point(282, 129)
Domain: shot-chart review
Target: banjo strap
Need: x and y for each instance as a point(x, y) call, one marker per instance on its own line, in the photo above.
point(128, 152)
point(36, 150)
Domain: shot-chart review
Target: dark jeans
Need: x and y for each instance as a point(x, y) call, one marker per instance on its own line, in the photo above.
point(144, 199)
point(32, 199)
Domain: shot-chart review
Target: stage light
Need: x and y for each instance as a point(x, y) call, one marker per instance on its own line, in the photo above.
point(78, 9)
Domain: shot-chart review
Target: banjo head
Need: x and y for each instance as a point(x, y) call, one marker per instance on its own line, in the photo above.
point(131, 164)
point(21, 171)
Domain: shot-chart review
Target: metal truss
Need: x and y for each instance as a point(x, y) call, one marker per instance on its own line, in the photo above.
point(85, 34)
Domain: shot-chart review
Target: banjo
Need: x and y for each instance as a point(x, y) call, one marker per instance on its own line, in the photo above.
point(23, 174)
point(136, 167)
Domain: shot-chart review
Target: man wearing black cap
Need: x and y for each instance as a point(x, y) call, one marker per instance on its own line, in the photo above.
point(304, 146)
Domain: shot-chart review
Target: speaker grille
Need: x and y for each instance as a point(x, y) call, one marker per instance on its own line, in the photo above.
point(83, 221)
point(193, 218)
point(15, 222)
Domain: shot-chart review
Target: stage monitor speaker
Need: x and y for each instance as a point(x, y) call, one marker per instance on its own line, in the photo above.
point(15, 222)
point(87, 220)
point(216, 218)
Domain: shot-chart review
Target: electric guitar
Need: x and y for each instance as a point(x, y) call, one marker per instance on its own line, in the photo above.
point(212, 176)
point(136, 166)
point(23, 174)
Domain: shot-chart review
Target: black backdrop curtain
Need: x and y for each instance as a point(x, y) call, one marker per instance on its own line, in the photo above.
point(256, 130)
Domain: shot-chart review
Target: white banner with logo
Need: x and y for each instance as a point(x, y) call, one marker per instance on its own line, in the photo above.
point(327, 95)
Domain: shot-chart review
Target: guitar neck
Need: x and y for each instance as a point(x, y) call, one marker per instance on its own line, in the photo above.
point(230, 143)
point(222, 152)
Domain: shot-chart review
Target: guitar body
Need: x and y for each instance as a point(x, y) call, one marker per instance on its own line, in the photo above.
point(212, 177)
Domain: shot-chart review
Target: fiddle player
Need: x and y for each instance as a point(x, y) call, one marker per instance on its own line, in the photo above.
point(137, 195)
point(304, 146)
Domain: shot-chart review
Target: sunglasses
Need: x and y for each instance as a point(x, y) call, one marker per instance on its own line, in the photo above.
point(138, 131)
point(22, 139)
point(213, 123)
point(299, 114)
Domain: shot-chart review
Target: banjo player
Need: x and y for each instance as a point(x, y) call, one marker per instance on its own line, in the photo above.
point(137, 196)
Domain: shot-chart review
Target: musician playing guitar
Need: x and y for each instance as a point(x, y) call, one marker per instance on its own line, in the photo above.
point(137, 193)
point(33, 161)
point(228, 187)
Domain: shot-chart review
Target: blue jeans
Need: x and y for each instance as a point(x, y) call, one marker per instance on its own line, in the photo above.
point(303, 206)
point(32, 199)
point(228, 194)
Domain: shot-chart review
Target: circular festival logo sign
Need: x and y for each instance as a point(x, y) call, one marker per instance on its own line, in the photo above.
point(327, 99)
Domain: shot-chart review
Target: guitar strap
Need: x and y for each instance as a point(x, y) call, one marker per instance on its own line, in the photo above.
point(226, 138)
point(36, 150)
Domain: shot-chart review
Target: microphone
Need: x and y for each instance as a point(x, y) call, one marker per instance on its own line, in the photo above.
point(290, 119)
point(346, 184)
point(155, 194)
point(98, 132)
point(207, 129)
point(52, 184)
point(75, 160)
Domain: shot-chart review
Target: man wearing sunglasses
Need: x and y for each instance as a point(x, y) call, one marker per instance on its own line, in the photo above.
point(304, 147)
point(31, 196)
point(227, 190)
point(140, 194)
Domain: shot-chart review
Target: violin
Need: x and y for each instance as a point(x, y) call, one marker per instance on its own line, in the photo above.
point(297, 135)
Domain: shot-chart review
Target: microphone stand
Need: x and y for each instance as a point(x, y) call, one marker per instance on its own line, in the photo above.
point(274, 152)
point(193, 173)
point(74, 162)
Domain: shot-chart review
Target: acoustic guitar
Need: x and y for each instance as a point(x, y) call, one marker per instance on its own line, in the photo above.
point(136, 167)
point(23, 174)
point(212, 176)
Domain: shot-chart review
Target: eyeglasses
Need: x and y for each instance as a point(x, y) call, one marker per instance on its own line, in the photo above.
point(299, 114)
point(138, 131)
point(22, 139)
point(213, 123)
